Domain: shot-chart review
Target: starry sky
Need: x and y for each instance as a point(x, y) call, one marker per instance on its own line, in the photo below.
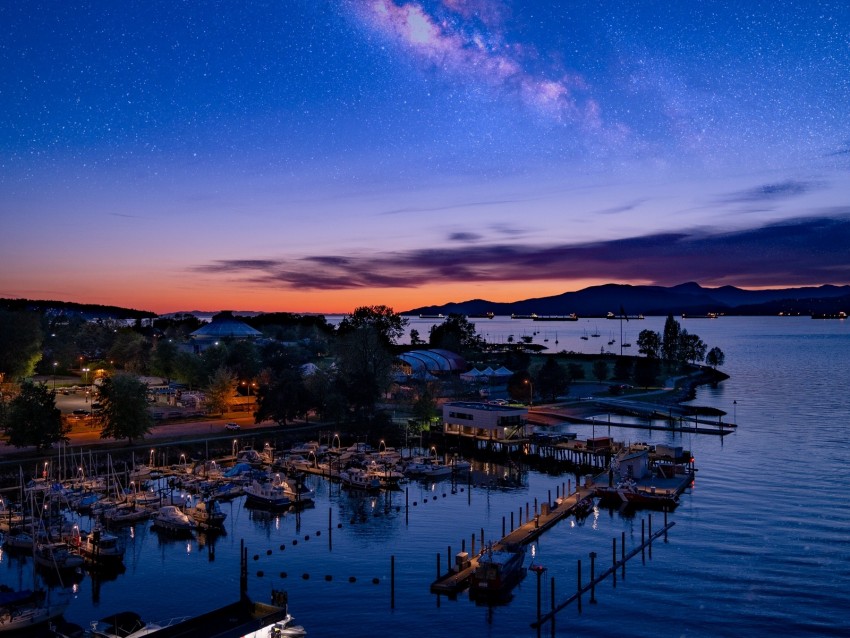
point(315, 156)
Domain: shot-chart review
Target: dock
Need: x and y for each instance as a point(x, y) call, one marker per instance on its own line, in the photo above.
point(550, 515)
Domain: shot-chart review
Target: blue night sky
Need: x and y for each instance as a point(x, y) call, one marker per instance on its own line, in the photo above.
point(315, 156)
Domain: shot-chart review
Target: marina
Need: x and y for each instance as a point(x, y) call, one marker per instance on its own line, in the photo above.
point(352, 544)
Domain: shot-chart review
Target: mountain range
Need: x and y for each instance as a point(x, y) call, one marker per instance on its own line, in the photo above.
point(687, 298)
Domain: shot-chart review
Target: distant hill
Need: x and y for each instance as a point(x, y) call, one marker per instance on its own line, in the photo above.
point(688, 298)
point(89, 311)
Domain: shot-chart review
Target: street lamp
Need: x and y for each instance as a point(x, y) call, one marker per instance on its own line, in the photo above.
point(530, 392)
point(55, 363)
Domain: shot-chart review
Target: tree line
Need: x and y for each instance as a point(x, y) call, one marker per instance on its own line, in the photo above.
point(303, 367)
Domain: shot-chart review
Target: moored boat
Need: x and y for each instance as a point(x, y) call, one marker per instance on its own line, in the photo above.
point(169, 518)
point(99, 548)
point(359, 479)
point(24, 609)
point(497, 570)
point(207, 513)
point(269, 493)
point(627, 492)
point(58, 556)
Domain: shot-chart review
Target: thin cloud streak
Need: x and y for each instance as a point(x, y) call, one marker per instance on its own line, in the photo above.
point(771, 192)
point(801, 251)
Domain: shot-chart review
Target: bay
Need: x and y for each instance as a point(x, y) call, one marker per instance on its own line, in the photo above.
point(760, 545)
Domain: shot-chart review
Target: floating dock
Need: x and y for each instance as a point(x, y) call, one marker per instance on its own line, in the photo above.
point(458, 576)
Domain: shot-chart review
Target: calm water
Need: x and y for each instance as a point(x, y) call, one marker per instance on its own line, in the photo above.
point(760, 546)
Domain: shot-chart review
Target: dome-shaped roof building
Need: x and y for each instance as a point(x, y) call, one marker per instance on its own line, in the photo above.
point(421, 363)
point(223, 326)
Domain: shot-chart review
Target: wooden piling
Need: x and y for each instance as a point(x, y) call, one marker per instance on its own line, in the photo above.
point(578, 586)
point(623, 553)
point(614, 561)
point(592, 578)
point(552, 591)
point(650, 536)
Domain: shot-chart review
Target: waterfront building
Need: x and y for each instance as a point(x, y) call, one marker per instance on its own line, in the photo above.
point(484, 420)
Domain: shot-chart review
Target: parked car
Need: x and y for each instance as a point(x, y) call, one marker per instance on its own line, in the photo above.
point(232, 426)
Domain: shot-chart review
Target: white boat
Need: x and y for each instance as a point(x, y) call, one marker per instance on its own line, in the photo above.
point(389, 477)
point(298, 463)
point(283, 628)
point(269, 493)
point(250, 456)
point(359, 479)
point(169, 518)
point(125, 513)
point(207, 513)
point(24, 609)
point(297, 491)
point(427, 468)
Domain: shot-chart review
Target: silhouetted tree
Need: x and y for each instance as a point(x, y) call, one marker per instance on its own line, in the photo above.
point(600, 369)
point(20, 344)
point(388, 325)
point(33, 418)
point(456, 333)
point(124, 408)
point(670, 339)
point(649, 343)
point(715, 357)
point(691, 347)
point(220, 390)
point(552, 380)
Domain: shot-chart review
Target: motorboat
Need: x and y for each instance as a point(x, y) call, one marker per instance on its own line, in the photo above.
point(100, 548)
point(359, 479)
point(298, 463)
point(250, 456)
point(295, 488)
point(268, 493)
point(498, 570)
point(169, 518)
point(627, 492)
point(389, 478)
point(59, 556)
point(283, 628)
point(207, 513)
point(427, 468)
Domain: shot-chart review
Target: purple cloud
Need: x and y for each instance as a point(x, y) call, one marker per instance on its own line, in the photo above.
point(797, 252)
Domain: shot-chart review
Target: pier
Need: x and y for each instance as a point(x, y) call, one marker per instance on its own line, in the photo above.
point(457, 578)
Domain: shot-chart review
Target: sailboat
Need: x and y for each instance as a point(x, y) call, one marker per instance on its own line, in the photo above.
point(595, 332)
point(626, 343)
point(24, 608)
point(584, 336)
